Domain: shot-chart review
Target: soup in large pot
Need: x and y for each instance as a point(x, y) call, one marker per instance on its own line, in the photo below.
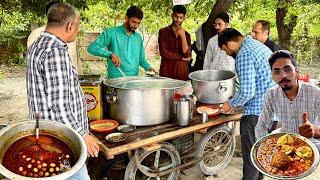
point(43, 157)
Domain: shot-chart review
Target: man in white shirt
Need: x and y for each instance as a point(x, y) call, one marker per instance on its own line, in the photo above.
point(289, 99)
point(215, 57)
point(72, 47)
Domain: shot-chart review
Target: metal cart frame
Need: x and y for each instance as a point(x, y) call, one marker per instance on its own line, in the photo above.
point(216, 138)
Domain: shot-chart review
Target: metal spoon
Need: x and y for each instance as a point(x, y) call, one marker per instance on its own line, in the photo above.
point(37, 125)
point(121, 72)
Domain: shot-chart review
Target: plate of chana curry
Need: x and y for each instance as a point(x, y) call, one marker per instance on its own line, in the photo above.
point(103, 125)
point(285, 156)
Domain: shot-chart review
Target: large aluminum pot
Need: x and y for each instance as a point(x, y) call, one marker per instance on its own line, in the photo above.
point(69, 136)
point(213, 86)
point(142, 101)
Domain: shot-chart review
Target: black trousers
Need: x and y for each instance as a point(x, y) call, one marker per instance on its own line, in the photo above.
point(247, 125)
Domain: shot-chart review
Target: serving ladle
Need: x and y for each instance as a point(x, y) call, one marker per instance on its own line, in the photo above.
point(37, 125)
point(120, 70)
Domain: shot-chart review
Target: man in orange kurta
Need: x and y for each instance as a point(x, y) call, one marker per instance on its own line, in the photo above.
point(175, 47)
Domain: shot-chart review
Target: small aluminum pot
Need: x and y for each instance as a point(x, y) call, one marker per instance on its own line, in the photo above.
point(213, 86)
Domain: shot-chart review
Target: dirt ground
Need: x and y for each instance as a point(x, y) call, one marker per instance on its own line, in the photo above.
point(14, 108)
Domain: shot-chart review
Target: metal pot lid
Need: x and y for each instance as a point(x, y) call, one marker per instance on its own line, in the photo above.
point(145, 83)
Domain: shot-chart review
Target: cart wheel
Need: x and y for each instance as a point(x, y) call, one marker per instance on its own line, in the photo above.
point(217, 149)
point(164, 158)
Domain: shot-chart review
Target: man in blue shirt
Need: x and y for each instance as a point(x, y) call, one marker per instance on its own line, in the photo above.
point(122, 46)
point(253, 70)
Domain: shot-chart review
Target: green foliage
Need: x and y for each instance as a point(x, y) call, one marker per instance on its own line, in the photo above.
point(96, 15)
point(306, 33)
point(13, 24)
point(13, 28)
point(245, 13)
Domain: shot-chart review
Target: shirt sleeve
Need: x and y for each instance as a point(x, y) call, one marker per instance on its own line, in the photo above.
point(164, 52)
point(188, 53)
point(58, 89)
point(209, 56)
point(246, 73)
point(99, 46)
point(317, 107)
point(266, 117)
point(317, 101)
point(142, 59)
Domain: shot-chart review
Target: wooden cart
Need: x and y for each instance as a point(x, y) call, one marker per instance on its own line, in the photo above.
point(155, 158)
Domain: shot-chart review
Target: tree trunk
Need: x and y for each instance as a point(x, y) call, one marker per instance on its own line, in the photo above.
point(207, 27)
point(284, 30)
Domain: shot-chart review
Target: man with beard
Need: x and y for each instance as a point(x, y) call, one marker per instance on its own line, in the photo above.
point(175, 47)
point(255, 79)
point(122, 46)
point(217, 58)
point(289, 99)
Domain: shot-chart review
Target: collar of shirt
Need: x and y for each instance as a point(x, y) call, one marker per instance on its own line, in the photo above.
point(60, 41)
point(267, 41)
point(245, 41)
point(124, 30)
point(171, 30)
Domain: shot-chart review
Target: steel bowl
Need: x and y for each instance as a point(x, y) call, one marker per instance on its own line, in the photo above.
point(110, 137)
point(255, 162)
point(126, 128)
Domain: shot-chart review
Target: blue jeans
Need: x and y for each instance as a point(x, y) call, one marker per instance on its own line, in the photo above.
point(82, 174)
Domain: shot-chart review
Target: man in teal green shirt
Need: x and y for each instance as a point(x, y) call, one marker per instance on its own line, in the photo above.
point(122, 46)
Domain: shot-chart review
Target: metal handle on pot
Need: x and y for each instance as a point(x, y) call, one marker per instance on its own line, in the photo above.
point(3, 127)
point(111, 96)
point(222, 87)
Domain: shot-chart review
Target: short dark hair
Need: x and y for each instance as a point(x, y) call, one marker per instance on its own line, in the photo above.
point(49, 5)
point(229, 34)
point(59, 14)
point(282, 54)
point(265, 25)
point(224, 16)
point(179, 9)
point(134, 11)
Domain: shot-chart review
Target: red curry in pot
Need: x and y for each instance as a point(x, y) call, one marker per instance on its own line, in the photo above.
point(47, 156)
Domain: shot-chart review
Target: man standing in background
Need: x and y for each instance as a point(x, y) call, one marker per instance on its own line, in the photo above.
point(255, 79)
point(261, 31)
point(175, 47)
point(216, 58)
point(122, 46)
